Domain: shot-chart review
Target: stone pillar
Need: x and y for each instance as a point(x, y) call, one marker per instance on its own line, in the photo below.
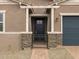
point(26, 40)
point(54, 40)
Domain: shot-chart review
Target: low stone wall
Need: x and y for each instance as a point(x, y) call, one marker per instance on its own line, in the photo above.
point(54, 40)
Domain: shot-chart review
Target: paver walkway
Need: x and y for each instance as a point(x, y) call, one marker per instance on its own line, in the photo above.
point(39, 53)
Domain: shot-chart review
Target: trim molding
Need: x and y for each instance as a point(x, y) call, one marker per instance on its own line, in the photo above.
point(39, 6)
point(69, 14)
point(52, 19)
point(38, 14)
point(27, 32)
point(54, 32)
point(27, 19)
point(3, 11)
point(4, 20)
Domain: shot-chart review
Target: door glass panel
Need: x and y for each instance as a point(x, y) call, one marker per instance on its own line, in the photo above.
point(39, 22)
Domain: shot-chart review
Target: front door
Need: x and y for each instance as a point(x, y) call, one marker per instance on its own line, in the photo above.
point(39, 25)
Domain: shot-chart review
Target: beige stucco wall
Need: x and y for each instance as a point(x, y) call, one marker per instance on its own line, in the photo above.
point(15, 20)
point(10, 42)
point(64, 9)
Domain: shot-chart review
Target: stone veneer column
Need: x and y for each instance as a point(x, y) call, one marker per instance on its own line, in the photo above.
point(26, 40)
point(54, 40)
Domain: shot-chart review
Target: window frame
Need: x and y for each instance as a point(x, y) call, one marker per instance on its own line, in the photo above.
point(3, 22)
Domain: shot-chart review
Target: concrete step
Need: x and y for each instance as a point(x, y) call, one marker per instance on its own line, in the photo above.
point(40, 44)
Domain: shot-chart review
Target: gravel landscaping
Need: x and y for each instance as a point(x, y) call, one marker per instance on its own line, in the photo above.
point(23, 54)
point(59, 53)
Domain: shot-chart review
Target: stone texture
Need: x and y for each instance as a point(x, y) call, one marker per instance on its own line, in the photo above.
point(26, 40)
point(54, 40)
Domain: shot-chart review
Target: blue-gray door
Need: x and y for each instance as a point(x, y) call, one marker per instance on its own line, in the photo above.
point(71, 30)
point(39, 27)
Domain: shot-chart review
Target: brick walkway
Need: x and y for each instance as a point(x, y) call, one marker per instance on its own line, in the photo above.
point(39, 53)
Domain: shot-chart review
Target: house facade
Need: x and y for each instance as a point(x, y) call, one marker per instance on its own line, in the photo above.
point(26, 23)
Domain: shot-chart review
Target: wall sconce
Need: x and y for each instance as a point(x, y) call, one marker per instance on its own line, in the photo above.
point(57, 19)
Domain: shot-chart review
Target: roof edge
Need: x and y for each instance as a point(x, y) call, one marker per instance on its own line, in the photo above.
point(70, 3)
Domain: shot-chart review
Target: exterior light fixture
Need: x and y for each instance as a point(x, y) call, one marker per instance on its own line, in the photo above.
point(57, 19)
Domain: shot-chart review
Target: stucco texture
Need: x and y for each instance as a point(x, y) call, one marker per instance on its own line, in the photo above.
point(15, 20)
point(63, 9)
point(9, 42)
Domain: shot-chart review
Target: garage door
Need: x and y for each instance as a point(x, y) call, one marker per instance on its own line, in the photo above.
point(71, 30)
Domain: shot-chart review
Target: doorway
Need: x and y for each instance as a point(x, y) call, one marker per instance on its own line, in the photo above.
point(39, 29)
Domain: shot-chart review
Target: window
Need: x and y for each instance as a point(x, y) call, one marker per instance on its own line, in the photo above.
point(39, 21)
point(2, 18)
